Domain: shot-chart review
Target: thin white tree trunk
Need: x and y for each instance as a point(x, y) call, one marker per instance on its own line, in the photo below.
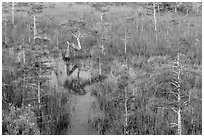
point(23, 102)
point(99, 62)
point(125, 42)
point(5, 30)
point(13, 3)
point(175, 9)
point(35, 30)
point(126, 112)
point(100, 71)
point(179, 96)
point(188, 28)
point(137, 25)
point(155, 21)
point(158, 8)
point(197, 7)
point(167, 36)
point(102, 48)
point(187, 11)
point(142, 25)
point(125, 48)
point(28, 27)
point(57, 40)
point(101, 16)
point(79, 44)
point(67, 52)
point(39, 101)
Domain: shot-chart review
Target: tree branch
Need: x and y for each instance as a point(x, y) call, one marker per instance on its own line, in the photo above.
point(174, 110)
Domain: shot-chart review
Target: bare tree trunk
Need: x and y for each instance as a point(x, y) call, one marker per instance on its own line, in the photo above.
point(137, 25)
point(5, 31)
point(13, 4)
point(101, 16)
point(28, 28)
point(99, 62)
point(35, 30)
point(125, 42)
point(187, 11)
point(197, 7)
point(78, 41)
point(179, 96)
point(158, 8)
point(126, 113)
point(67, 52)
point(175, 8)
point(142, 25)
point(102, 48)
point(57, 40)
point(167, 36)
point(23, 101)
point(155, 21)
point(188, 28)
point(125, 48)
point(39, 101)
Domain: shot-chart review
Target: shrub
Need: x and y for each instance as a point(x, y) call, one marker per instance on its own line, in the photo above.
point(20, 121)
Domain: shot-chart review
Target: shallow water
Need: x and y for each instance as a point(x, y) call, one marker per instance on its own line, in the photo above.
point(83, 108)
point(82, 112)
